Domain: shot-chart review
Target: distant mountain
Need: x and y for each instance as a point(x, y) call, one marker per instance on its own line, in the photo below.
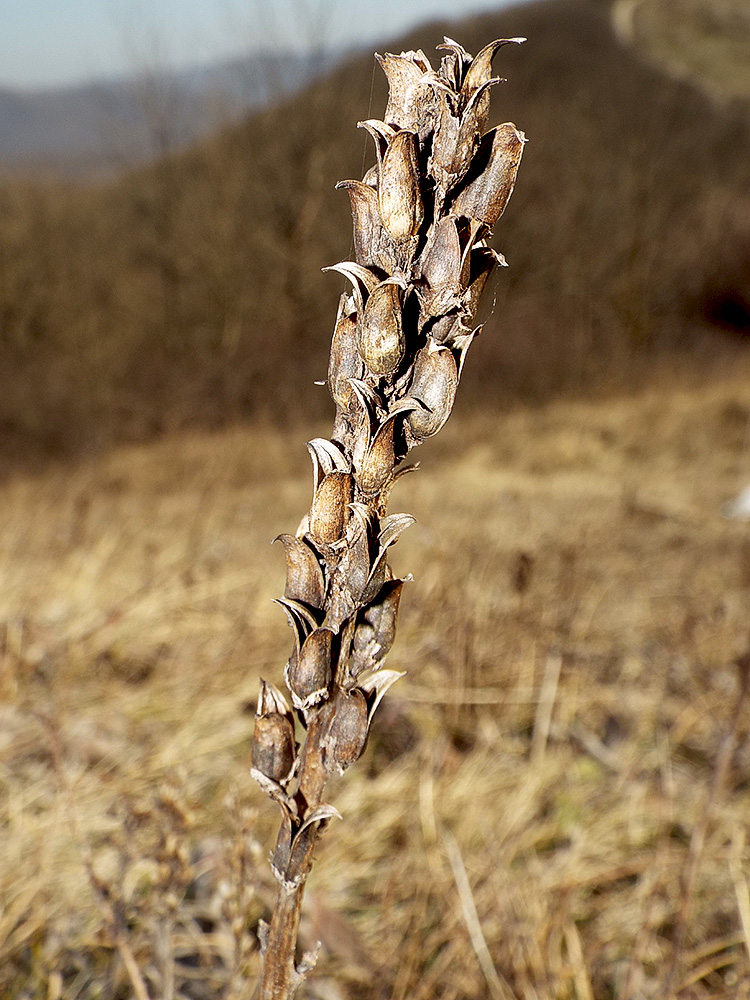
point(102, 126)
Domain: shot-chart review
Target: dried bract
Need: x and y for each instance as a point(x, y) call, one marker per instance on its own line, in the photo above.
point(346, 735)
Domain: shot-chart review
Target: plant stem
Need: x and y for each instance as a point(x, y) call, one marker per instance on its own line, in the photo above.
point(421, 217)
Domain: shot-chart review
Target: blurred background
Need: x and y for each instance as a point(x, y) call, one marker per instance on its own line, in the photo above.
point(167, 201)
point(568, 753)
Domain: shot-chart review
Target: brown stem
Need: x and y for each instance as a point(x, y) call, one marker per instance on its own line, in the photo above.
point(280, 975)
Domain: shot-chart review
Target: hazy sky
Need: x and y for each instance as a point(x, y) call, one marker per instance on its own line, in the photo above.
point(51, 42)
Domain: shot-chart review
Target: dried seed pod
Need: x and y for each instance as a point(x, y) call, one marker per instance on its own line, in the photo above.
point(274, 750)
point(489, 183)
point(308, 676)
point(405, 80)
point(330, 508)
point(441, 270)
point(376, 629)
point(352, 571)
point(376, 467)
point(304, 575)
point(446, 134)
point(434, 384)
point(451, 329)
point(345, 362)
point(365, 219)
point(346, 735)
point(380, 333)
point(399, 195)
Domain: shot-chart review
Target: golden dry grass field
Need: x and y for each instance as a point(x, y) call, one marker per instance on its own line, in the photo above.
point(520, 825)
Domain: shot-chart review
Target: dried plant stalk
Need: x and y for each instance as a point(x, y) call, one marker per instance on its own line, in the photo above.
point(421, 219)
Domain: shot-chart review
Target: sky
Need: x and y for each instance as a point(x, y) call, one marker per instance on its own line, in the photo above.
point(50, 43)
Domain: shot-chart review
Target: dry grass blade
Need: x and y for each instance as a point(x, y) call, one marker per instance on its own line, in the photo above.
point(543, 719)
point(498, 987)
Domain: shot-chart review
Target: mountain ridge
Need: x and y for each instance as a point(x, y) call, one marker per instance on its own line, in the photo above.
point(103, 125)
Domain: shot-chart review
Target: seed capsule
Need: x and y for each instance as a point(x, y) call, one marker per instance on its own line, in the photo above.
point(399, 197)
point(434, 384)
point(376, 629)
point(380, 335)
point(492, 176)
point(377, 465)
point(372, 244)
point(304, 577)
point(445, 136)
point(330, 509)
point(345, 362)
point(346, 737)
point(274, 750)
point(309, 673)
point(405, 74)
point(441, 270)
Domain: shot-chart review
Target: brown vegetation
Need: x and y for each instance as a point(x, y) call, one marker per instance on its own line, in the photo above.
point(175, 295)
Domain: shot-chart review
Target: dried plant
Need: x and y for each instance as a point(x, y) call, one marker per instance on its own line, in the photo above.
point(421, 219)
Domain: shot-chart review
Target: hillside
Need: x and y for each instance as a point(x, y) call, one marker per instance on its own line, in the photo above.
point(191, 292)
point(705, 41)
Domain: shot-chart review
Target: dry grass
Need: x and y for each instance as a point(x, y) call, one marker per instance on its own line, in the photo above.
point(538, 772)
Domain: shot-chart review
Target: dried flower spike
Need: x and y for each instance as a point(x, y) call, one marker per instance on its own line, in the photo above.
point(421, 215)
